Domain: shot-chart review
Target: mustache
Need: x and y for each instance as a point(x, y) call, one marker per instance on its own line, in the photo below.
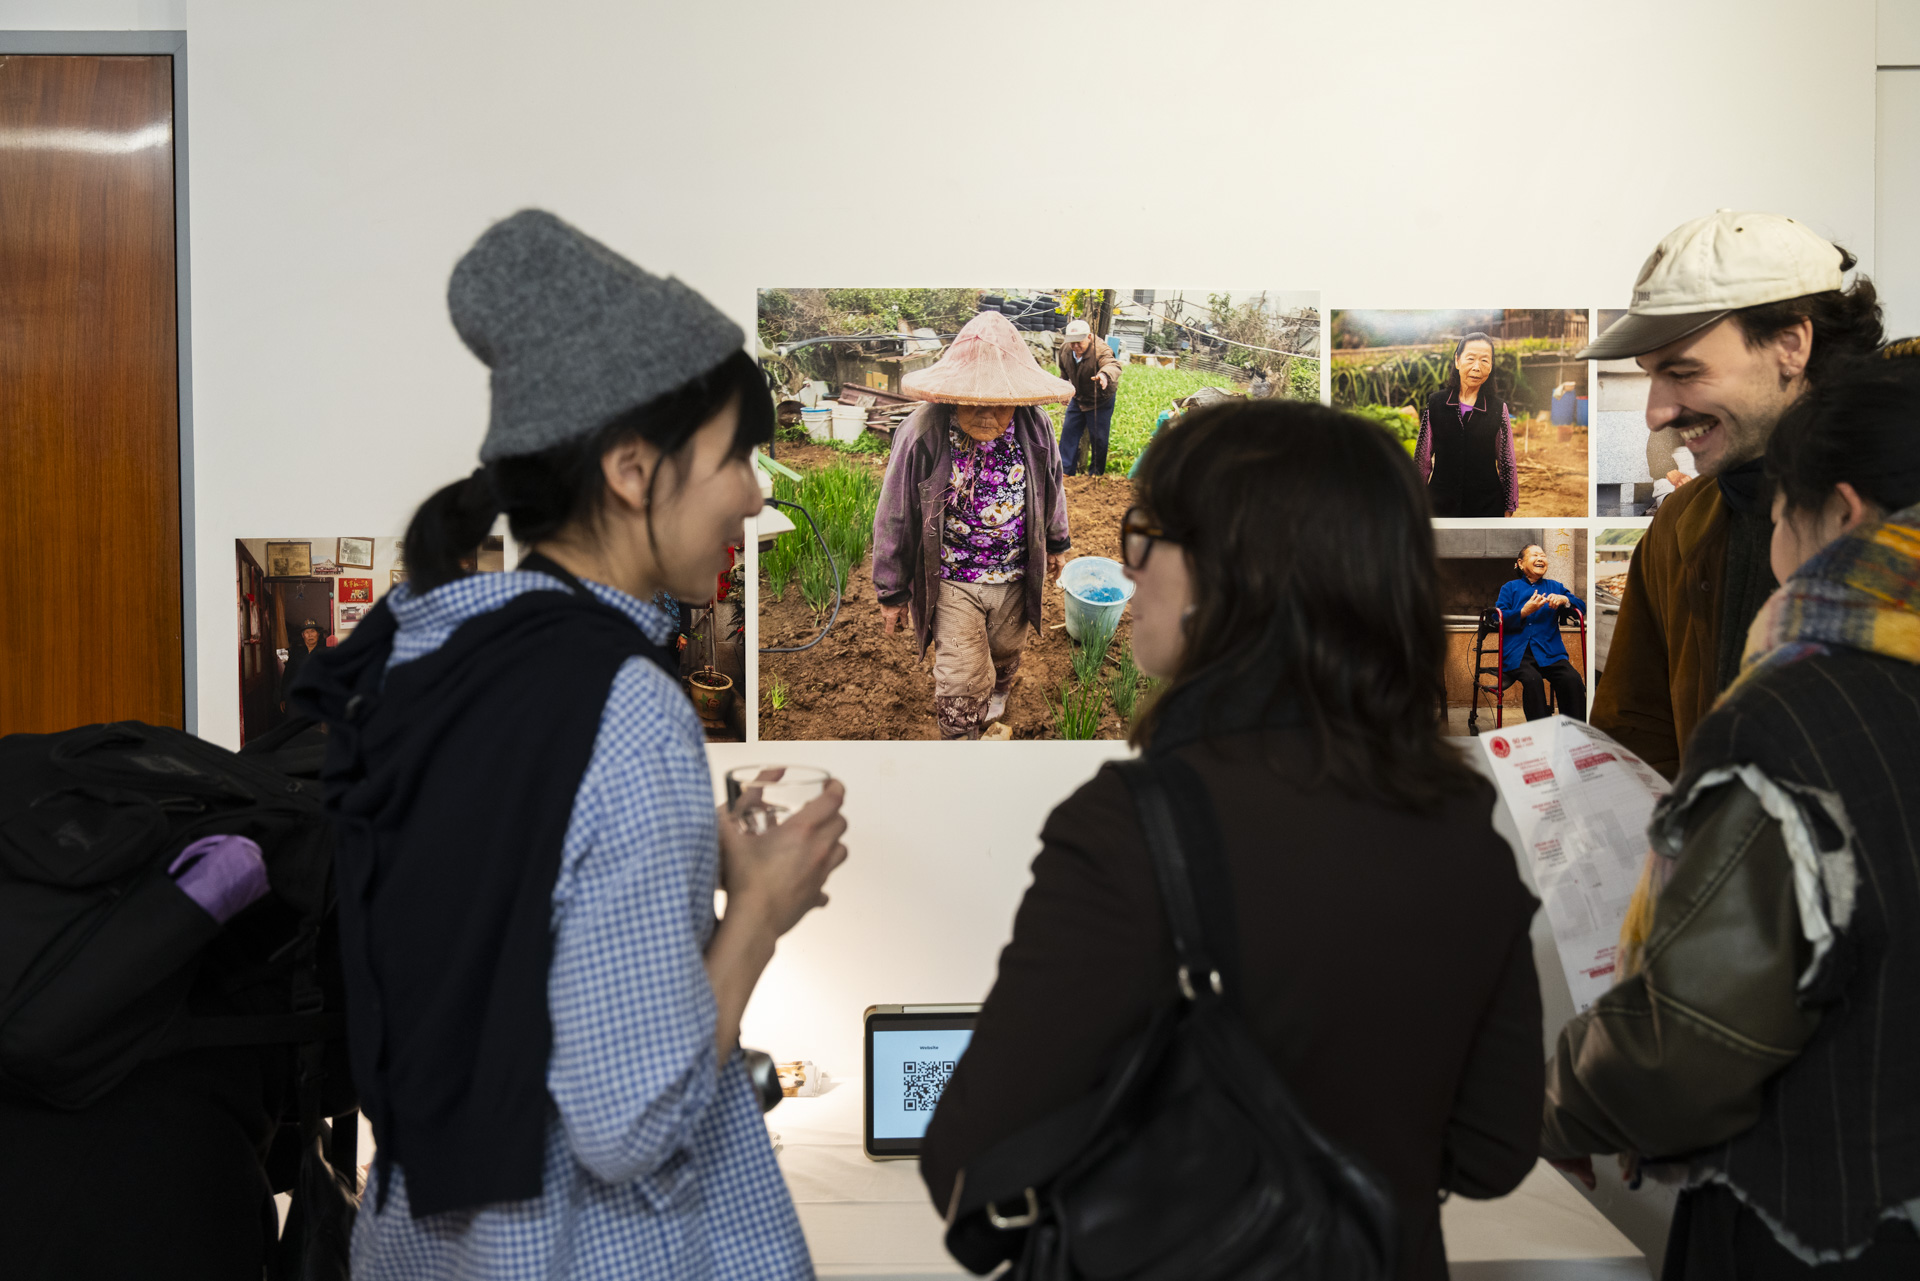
point(1691, 419)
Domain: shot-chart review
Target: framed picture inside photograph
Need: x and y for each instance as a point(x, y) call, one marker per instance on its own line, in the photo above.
point(289, 560)
point(357, 590)
point(399, 575)
point(355, 553)
point(350, 615)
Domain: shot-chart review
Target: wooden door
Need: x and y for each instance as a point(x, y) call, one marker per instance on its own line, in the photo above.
point(90, 608)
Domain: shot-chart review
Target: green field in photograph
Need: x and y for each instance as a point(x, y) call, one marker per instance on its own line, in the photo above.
point(1146, 390)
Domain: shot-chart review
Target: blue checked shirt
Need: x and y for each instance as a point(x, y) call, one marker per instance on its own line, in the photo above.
point(657, 1166)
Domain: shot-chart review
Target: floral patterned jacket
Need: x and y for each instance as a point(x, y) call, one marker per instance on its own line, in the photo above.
point(913, 499)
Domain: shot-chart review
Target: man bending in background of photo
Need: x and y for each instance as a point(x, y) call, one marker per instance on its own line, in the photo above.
point(1088, 363)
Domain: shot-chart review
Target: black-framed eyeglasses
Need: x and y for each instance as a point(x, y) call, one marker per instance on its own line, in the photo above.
point(1138, 533)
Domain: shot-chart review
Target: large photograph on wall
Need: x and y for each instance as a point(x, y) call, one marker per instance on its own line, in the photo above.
point(1020, 413)
point(1634, 470)
point(1491, 404)
point(294, 596)
point(1519, 619)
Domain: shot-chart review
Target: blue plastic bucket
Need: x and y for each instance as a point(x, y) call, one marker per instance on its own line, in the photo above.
point(1580, 411)
point(1097, 593)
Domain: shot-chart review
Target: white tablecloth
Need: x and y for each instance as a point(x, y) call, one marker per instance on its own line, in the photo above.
point(872, 1219)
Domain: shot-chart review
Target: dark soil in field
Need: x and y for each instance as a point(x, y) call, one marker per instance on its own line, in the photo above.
point(1553, 473)
point(860, 684)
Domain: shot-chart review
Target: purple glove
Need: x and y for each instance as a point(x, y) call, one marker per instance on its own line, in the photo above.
point(222, 874)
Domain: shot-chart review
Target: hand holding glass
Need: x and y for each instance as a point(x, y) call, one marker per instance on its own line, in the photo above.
point(761, 797)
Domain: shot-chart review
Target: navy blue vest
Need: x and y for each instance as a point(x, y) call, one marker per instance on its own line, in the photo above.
point(451, 784)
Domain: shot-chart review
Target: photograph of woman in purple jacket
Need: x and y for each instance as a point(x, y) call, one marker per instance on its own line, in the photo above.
point(972, 520)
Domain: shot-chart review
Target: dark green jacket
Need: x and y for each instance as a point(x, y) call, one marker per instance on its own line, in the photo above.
point(1785, 1068)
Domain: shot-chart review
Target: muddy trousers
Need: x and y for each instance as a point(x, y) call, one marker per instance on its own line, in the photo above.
point(979, 631)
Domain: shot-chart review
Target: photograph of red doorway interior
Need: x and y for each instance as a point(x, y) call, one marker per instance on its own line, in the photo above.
point(293, 596)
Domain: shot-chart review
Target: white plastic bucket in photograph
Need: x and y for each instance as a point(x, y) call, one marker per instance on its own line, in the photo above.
point(818, 422)
point(1097, 593)
point(848, 421)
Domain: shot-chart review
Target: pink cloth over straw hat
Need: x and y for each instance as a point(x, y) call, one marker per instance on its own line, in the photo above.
point(988, 364)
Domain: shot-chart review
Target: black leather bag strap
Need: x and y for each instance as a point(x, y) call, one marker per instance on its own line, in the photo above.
point(1199, 975)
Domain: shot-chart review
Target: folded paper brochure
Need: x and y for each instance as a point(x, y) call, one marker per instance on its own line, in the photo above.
point(1581, 803)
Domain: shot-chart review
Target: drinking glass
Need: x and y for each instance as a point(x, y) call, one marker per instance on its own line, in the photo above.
point(760, 797)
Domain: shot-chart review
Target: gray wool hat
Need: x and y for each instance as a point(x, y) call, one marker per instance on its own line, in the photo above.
point(573, 332)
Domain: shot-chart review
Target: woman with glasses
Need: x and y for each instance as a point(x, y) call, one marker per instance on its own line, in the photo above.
point(1285, 572)
point(1465, 449)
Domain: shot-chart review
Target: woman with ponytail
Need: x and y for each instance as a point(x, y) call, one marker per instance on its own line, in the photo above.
point(543, 1012)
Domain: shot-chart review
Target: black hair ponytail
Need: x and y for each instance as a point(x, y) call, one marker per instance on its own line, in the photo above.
point(1857, 427)
point(561, 486)
point(448, 529)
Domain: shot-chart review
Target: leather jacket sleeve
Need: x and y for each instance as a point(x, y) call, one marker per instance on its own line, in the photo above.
point(1675, 1058)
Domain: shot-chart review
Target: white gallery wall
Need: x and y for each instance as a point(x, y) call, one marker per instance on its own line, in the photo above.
point(344, 155)
point(1389, 155)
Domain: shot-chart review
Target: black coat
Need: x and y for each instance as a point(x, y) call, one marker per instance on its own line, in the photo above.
point(1389, 976)
point(297, 656)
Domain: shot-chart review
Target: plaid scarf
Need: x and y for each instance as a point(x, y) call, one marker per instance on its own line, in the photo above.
point(1861, 591)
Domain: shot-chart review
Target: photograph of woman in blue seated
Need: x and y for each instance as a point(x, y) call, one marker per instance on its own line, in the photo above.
point(1531, 609)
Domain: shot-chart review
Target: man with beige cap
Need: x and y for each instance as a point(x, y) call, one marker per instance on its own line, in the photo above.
point(972, 519)
point(1734, 316)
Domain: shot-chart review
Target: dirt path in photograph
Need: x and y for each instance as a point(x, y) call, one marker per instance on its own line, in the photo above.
point(1553, 473)
point(860, 684)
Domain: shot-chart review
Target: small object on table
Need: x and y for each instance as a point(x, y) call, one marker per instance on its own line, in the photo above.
point(801, 1079)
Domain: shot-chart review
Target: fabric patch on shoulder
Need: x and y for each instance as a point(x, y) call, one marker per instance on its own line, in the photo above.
point(1825, 880)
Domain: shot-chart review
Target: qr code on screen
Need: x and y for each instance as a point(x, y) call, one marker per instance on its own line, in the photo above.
point(922, 1082)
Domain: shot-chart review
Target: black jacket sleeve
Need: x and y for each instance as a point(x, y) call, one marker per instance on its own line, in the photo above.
point(1492, 1137)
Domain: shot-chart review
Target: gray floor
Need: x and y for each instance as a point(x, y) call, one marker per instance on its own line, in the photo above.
point(1550, 1270)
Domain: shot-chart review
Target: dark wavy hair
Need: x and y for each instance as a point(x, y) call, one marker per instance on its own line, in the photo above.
point(1312, 561)
point(1493, 373)
point(1846, 323)
point(1861, 425)
point(547, 492)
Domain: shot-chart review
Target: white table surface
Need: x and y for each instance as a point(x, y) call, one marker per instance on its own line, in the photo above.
point(872, 1219)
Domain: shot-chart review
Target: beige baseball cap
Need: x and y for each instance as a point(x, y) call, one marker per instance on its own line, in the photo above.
point(1078, 329)
point(1715, 265)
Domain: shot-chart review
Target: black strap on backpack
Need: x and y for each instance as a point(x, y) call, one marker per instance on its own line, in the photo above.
point(1192, 1160)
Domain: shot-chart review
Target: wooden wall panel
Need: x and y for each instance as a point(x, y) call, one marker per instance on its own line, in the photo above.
point(90, 608)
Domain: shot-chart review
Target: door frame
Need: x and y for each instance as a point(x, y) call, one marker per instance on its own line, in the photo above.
point(171, 44)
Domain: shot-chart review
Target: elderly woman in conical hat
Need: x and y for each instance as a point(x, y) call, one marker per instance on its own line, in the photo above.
point(972, 519)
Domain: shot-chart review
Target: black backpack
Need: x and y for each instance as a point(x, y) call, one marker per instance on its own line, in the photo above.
point(100, 951)
point(1191, 1162)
